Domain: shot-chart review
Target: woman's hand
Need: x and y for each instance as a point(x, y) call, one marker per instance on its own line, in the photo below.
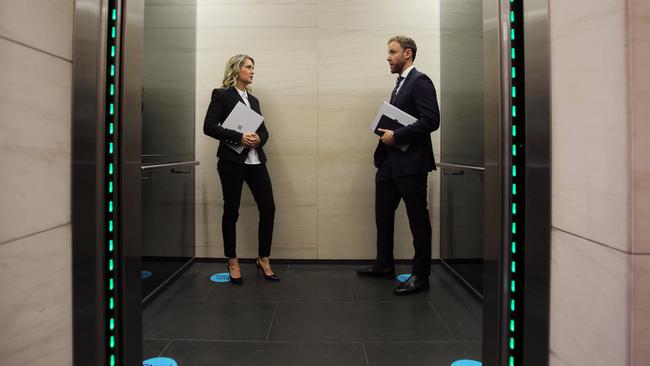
point(250, 139)
point(256, 140)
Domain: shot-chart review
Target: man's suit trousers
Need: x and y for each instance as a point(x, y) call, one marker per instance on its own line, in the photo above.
point(388, 193)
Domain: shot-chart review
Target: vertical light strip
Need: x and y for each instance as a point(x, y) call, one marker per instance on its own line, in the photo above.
point(515, 273)
point(112, 188)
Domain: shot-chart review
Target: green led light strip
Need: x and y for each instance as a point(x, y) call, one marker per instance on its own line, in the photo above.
point(111, 194)
point(514, 337)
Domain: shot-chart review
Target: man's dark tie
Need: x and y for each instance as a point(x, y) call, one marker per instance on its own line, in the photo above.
point(392, 95)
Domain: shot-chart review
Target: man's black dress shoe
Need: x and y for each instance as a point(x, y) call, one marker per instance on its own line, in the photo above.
point(374, 271)
point(411, 286)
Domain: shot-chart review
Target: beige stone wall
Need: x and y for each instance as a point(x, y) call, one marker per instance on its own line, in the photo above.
point(321, 75)
point(639, 91)
point(35, 230)
point(600, 298)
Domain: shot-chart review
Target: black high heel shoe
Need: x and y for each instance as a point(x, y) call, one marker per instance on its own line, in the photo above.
point(235, 281)
point(271, 277)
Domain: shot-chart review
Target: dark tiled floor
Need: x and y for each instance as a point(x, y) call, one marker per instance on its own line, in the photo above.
point(266, 353)
point(319, 314)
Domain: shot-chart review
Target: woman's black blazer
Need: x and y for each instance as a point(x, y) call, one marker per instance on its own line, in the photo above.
point(222, 103)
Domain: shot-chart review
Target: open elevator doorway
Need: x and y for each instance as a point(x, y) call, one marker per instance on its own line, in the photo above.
point(312, 312)
point(290, 304)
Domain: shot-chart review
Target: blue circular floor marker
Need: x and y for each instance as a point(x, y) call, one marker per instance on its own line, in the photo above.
point(159, 361)
point(220, 277)
point(466, 363)
point(145, 274)
point(404, 277)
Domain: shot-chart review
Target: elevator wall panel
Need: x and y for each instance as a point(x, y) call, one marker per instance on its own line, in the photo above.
point(169, 73)
point(462, 95)
point(169, 83)
point(462, 139)
point(462, 220)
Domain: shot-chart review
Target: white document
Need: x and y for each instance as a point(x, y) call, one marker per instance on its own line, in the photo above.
point(394, 113)
point(242, 119)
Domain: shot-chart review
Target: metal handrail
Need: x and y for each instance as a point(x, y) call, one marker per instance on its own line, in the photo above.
point(146, 168)
point(459, 166)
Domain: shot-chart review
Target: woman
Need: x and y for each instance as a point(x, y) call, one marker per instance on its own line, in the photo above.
point(236, 168)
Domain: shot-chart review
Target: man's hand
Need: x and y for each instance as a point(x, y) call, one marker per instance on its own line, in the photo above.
point(387, 137)
point(250, 139)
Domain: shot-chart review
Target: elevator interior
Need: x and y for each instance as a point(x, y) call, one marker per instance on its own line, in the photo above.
point(168, 138)
point(162, 89)
point(168, 141)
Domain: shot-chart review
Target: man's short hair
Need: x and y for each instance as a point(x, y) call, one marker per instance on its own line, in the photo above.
point(405, 42)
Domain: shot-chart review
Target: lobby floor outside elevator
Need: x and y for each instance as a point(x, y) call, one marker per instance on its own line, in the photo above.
point(319, 314)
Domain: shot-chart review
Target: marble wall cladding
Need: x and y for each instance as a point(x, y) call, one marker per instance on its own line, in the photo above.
point(604, 203)
point(36, 301)
point(590, 129)
point(379, 14)
point(590, 302)
point(44, 25)
point(35, 160)
point(320, 75)
point(352, 62)
point(640, 115)
point(343, 126)
point(641, 311)
point(257, 13)
point(35, 143)
point(294, 123)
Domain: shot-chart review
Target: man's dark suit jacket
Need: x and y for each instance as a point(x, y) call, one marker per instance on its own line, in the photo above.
point(222, 103)
point(417, 97)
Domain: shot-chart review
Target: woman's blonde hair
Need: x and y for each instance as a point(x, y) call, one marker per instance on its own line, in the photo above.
point(233, 66)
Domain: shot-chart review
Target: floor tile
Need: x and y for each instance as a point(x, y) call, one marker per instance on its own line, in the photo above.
point(357, 322)
point(381, 290)
point(193, 284)
point(153, 347)
point(186, 319)
point(421, 354)
point(288, 289)
point(464, 319)
point(324, 270)
point(318, 314)
point(201, 353)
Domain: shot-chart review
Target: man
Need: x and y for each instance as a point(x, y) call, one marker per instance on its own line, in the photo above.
point(402, 175)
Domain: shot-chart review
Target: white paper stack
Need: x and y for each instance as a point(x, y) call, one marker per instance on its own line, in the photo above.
point(395, 114)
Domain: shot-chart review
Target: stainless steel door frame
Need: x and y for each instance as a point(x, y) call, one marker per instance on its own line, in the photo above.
point(493, 263)
point(538, 183)
point(532, 330)
point(87, 207)
point(95, 336)
point(131, 210)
